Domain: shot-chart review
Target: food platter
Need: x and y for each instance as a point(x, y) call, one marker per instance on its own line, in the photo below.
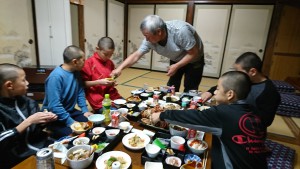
point(127, 140)
point(157, 128)
point(171, 106)
point(100, 162)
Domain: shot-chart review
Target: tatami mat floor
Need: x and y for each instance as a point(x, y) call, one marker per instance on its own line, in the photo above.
point(131, 79)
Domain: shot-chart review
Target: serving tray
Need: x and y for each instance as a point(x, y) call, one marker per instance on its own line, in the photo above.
point(148, 126)
point(102, 139)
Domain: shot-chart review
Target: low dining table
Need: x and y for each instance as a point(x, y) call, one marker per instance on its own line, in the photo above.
point(30, 162)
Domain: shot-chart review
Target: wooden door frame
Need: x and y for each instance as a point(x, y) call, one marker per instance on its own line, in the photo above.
point(80, 24)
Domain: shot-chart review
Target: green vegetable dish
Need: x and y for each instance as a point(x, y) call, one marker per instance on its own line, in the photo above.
point(108, 163)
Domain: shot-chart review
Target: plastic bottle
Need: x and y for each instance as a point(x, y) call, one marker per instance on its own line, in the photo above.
point(106, 103)
point(169, 92)
point(155, 99)
point(115, 120)
point(183, 105)
point(172, 90)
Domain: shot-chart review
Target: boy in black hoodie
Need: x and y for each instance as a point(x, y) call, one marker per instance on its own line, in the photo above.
point(20, 132)
point(239, 131)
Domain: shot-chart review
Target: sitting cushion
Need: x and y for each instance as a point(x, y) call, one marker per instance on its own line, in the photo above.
point(281, 156)
point(283, 86)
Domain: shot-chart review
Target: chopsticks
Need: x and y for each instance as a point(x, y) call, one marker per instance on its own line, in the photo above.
point(124, 116)
point(205, 159)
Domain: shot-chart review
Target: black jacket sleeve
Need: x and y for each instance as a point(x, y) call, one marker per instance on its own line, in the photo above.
point(212, 90)
point(207, 120)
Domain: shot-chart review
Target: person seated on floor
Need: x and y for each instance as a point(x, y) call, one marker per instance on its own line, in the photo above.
point(240, 131)
point(21, 132)
point(263, 94)
point(63, 90)
point(96, 75)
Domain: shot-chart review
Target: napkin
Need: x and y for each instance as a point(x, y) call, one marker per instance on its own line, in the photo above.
point(62, 151)
point(59, 146)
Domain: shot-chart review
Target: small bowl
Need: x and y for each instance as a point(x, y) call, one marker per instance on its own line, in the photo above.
point(96, 118)
point(130, 105)
point(81, 141)
point(163, 88)
point(112, 133)
point(186, 100)
point(119, 102)
point(157, 92)
point(197, 98)
point(124, 125)
point(193, 92)
point(123, 110)
point(177, 130)
point(152, 150)
point(78, 129)
point(197, 146)
point(177, 142)
point(178, 94)
point(174, 161)
point(191, 157)
point(144, 94)
point(192, 165)
point(136, 92)
point(98, 130)
point(142, 106)
point(173, 98)
point(79, 164)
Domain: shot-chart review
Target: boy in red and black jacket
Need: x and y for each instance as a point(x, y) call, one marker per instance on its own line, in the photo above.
point(240, 133)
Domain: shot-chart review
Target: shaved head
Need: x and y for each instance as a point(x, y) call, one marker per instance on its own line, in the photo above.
point(8, 72)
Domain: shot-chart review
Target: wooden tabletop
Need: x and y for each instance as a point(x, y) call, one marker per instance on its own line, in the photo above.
point(135, 155)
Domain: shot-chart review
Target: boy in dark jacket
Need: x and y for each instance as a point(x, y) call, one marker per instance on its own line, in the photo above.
point(262, 88)
point(20, 132)
point(240, 133)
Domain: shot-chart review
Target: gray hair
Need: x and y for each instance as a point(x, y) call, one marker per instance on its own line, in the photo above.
point(152, 23)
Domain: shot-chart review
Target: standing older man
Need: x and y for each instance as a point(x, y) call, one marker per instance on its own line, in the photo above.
point(176, 40)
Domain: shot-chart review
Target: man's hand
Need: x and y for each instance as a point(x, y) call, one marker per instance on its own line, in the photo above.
point(87, 114)
point(172, 69)
point(106, 82)
point(206, 96)
point(115, 73)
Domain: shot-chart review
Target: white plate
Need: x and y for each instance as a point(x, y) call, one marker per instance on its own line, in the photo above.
point(143, 136)
point(166, 105)
point(136, 92)
point(125, 131)
point(98, 130)
point(150, 102)
point(119, 101)
point(100, 160)
point(151, 165)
